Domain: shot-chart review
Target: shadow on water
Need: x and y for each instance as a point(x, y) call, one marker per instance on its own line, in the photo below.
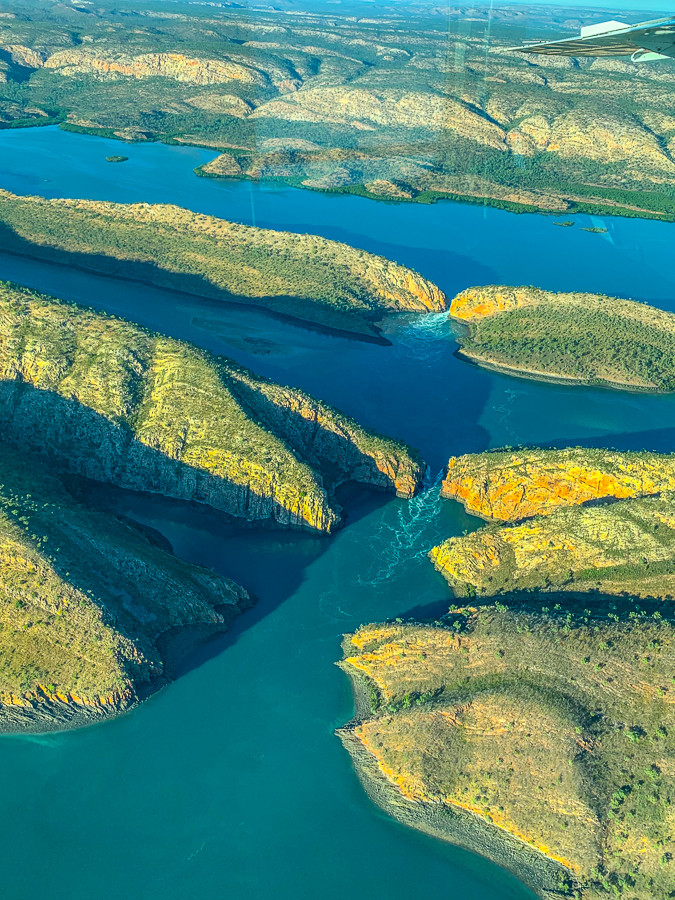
point(429, 612)
point(656, 440)
point(269, 562)
point(191, 285)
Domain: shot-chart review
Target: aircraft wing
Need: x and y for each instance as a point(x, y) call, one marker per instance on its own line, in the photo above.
point(651, 40)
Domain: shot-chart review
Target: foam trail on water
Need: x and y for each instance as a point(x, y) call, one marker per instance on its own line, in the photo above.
point(396, 543)
point(503, 415)
point(42, 740)
point(427, 338)
point(400, 537)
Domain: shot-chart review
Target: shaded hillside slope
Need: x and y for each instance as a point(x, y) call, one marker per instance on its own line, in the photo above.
point(84, 602)
point(104, 398)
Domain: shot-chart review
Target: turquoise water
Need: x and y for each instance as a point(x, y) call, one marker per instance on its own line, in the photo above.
point(230, 782)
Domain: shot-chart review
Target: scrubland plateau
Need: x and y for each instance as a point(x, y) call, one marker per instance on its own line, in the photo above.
point(568, 337)
point(551, 729)
point(407, 103)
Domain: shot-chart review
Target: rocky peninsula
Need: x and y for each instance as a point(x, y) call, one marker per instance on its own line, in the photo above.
point(623, 547)
point(93, 612)
point(577, 519)
point(567, 337)
point(103, 398)
point(543, 740)
point(89, 607)
point(508, 485)
point(321, 282)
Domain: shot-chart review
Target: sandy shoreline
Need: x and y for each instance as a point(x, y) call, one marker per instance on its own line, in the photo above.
point(550, 378)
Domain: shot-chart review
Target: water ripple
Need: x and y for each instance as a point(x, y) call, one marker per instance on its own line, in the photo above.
point(425, 338)
point(397, 543)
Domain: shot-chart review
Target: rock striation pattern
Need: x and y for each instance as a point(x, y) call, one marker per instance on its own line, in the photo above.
point(627, 546)
point(177, 66)
point(105, 399)
point(508, 485)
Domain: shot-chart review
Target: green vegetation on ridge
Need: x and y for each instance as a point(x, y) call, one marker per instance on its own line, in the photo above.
point(310, 278)
point(106, 399)
point(587, 338)
point(555, 728)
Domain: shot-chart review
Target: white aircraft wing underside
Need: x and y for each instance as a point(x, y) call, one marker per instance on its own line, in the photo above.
point(649, 37)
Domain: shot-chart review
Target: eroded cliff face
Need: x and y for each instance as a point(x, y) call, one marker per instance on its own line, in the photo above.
point(615, 548)
point(87, 604)
point(480, 302)
point(512, 485)
point(103, 398)
point(484, 301)
point(177, 66)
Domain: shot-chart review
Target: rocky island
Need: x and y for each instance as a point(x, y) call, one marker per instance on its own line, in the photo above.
point(568, 337)
point(544, 740)
point(318, 281)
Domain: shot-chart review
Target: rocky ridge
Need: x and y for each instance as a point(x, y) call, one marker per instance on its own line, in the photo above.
point(176, 66)
point(105, 399)
point(304, 276)
point(509, 485)
point(616, 548)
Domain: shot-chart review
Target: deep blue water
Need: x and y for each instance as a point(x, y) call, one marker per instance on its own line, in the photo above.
point(230, 782)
